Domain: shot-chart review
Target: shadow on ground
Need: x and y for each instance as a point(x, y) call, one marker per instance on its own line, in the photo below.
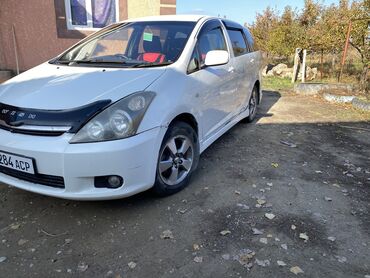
point(313, 175)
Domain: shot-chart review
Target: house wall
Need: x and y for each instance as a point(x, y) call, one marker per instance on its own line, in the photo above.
point(35, 32)
point(167, 7)
point(143, 8)
point(41, 32)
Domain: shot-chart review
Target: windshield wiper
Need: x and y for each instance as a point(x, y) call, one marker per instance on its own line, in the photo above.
point(108, 59)
point(67, 62)
point(114, 60)
point(98, 61)
point(147, 65)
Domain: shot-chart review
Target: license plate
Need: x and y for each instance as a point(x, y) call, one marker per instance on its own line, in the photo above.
point(16, 162)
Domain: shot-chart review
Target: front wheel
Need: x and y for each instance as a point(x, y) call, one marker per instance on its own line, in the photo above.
point(253, 103)
point(178, 158)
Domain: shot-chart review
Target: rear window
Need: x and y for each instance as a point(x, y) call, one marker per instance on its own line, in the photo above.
point(238, 42)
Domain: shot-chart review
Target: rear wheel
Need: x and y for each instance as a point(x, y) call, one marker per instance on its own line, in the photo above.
point(253, 104)
point(178, 158)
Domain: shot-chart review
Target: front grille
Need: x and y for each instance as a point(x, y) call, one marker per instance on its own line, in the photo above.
point(52, 181)
point(35, 130)
point(32, 132)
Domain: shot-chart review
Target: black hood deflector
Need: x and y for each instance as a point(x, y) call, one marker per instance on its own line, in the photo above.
point(75, 118)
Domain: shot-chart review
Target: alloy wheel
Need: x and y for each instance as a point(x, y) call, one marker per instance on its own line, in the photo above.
point(176, 160)
point(253, 104)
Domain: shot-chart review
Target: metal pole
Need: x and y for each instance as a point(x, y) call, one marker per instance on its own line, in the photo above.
point(345, 50)
point(15, 49)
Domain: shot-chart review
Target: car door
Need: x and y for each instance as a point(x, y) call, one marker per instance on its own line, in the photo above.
point(215, 86)
point(242, 59)
point(254, 59)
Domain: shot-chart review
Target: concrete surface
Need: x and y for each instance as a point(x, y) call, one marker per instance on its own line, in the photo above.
point(304, 161)
point(361, 104)
point(338, 98)
point(310, 89)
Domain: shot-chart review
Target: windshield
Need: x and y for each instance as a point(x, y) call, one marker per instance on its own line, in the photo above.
point(137, 44)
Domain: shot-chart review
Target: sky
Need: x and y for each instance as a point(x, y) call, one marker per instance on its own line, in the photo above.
point(242, 11)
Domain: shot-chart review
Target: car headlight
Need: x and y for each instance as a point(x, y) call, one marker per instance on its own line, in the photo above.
point(120, 120)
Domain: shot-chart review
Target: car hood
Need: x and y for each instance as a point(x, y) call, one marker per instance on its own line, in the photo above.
point(55, 87)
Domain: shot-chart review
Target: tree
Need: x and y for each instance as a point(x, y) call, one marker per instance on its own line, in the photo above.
point(310, 14)
point(286, 35)
point(262, 28)
point(275, 34)
point(329, 32)
point(359, 15)
point(316, 27)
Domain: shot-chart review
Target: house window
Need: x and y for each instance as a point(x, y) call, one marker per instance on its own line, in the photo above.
point(91, 14)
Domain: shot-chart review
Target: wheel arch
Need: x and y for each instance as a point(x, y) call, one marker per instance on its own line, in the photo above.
point(257, 84)
point(189, 119)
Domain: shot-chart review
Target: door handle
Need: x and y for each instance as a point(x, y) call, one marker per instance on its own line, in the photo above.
point(231, 69)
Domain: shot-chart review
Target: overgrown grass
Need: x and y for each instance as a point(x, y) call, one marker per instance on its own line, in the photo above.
point(277, 84)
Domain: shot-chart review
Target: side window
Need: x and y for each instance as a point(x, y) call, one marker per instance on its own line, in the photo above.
point(238, 42)
point(194, 63)
point(251, 43)
point(211, 40)
point(250, 40)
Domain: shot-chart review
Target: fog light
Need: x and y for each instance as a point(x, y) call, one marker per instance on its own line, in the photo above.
point(108, 182)
point(115, 181)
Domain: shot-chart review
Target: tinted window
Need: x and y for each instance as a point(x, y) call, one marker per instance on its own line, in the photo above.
point(212, 40)
point(238, 42)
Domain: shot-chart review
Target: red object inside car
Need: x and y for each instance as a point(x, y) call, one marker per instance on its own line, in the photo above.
point(153, 51)
point(152, 57)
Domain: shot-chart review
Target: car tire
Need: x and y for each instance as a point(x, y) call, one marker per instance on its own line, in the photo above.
point(177, 160)
point(253, 105)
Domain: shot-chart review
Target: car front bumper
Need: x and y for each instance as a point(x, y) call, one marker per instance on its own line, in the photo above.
point(134, 159)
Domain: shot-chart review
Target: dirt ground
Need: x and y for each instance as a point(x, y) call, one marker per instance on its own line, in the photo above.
point(304, 163)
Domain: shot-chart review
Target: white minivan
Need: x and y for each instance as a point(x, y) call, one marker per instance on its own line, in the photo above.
point(129, 108)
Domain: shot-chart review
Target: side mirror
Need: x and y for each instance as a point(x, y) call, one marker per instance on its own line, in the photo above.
point(216, 58)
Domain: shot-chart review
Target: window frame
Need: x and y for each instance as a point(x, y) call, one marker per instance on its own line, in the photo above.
point(198, 67)
point(248, 49)
point(207, 27)
point(249, 39)
point(89, 26)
